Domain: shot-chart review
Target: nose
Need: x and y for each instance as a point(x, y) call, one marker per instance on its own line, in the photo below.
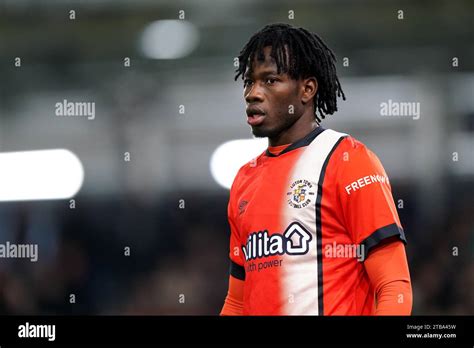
point(253, 94)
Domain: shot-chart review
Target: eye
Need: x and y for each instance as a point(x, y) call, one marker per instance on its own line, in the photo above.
point(270, 81)
point(247, 82)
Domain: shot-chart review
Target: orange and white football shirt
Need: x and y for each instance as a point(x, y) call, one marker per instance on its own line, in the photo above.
point(295, 218)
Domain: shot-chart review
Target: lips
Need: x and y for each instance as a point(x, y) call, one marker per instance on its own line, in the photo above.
point(255, 115)
point(255, 120)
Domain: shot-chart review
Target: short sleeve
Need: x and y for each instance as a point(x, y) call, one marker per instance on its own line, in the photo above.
point(368, 208)
point(236, 256)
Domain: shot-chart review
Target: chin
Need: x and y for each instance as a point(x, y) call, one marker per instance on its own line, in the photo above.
point(261, 132)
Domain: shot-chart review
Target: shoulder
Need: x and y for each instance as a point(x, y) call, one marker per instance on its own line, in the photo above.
point(341, 142)
point(350, 146)
point(352, 159)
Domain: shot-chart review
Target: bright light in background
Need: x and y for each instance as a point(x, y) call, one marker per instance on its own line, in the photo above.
point(230, 156)
point(169, 39)
point(43, 174)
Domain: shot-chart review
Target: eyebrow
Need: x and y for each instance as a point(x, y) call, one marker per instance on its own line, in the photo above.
point(263, 73)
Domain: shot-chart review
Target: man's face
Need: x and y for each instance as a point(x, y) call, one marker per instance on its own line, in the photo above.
point(273, 100)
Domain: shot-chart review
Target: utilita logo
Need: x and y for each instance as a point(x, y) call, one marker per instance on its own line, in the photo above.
point(294, 241)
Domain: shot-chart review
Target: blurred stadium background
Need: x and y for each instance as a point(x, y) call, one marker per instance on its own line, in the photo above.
point(136, 203)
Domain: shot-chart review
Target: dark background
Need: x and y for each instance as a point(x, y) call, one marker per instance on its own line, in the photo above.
point(177, 251)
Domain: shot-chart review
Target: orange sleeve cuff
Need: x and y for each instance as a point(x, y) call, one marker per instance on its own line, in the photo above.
point(387, 268)
point(234, 301)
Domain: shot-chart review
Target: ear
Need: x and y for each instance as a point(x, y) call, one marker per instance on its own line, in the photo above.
point(309, 89)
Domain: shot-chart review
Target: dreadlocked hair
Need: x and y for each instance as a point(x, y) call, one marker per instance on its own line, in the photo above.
point(300, 54)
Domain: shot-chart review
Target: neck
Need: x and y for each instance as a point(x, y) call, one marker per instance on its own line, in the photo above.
point(302, 127)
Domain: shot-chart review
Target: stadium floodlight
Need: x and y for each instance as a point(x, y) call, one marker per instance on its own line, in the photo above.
point(230, 156)
point(169, 39)
point(39, 175)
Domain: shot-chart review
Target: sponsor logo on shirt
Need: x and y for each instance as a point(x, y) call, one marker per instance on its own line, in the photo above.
point(294, 241)
point(365, 181)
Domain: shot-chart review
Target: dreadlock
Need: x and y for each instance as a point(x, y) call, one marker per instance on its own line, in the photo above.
point(300, 54)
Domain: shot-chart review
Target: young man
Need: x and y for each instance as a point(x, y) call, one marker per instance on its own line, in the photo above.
point(314, 229)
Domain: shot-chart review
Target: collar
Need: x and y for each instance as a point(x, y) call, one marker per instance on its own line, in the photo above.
point(299, 143)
